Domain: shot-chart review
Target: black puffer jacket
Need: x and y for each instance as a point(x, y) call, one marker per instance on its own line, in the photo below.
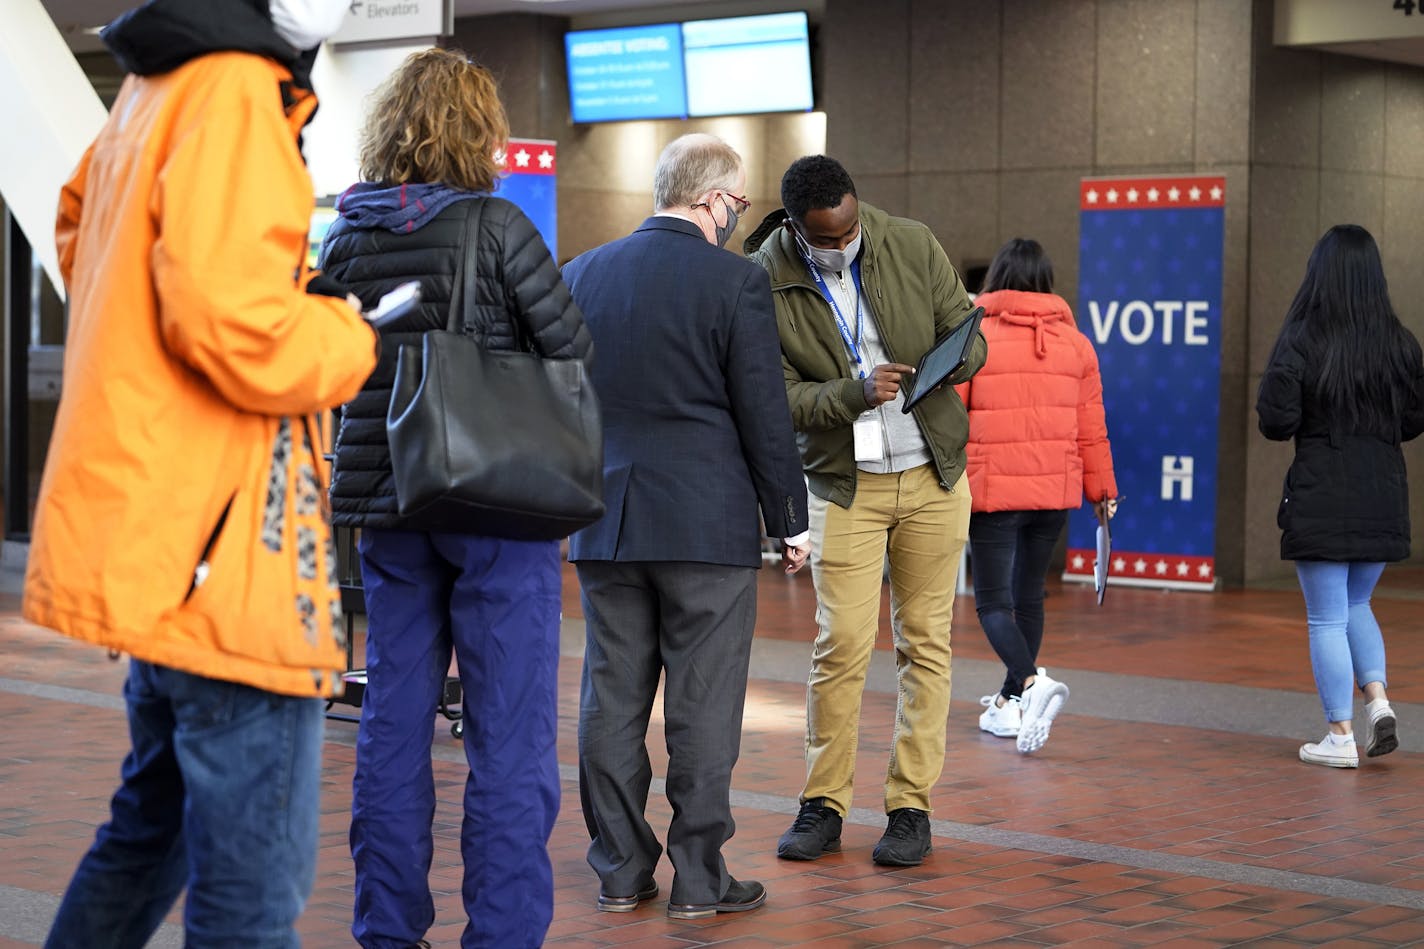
point(519, 289)
point(1346, 495)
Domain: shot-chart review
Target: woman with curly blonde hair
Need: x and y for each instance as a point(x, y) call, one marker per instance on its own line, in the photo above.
point(430, 158)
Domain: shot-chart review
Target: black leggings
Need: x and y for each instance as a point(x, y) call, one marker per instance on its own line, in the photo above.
point(1010, 552)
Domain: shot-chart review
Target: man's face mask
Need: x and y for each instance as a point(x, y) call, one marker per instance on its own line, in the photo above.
point(724, 231)
point(307, 23)
point(827, 258)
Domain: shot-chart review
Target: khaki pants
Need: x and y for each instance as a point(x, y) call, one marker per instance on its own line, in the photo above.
point(925, 528)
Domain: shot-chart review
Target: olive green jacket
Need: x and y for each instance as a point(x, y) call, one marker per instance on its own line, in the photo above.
point(914, 295)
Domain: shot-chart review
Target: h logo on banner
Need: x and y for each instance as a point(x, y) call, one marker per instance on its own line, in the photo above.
point(1177, 472)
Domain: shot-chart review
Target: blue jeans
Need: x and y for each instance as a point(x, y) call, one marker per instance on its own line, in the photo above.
point(496, 604)
point(220, 794)
point(1011, 551)
point(1345, 637)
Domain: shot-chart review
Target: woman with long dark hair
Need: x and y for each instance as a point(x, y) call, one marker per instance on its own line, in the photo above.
point(430, 156)
point(1038, 443)
point(1345, 380)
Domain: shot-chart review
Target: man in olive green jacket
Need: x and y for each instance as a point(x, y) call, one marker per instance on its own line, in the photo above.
point(860, 297)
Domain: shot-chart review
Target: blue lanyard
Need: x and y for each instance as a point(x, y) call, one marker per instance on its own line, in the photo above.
point(852, 341)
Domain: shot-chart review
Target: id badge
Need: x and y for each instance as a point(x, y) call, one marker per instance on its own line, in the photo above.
point(869, 438)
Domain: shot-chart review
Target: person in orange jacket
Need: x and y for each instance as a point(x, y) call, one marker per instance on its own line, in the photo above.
point(1038, 442)
point(181, 512)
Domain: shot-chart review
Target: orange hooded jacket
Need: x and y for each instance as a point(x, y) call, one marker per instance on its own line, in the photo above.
point(1038, 439)
point(181, 512)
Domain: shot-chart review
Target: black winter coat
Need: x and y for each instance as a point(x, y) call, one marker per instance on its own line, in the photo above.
point(1346, 495)
point(519, 292)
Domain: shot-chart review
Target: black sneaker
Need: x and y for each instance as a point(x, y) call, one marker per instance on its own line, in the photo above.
point(816, 831)
point(906, 840)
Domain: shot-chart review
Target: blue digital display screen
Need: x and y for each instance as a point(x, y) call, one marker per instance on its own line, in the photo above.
point(748, 64)
point(633, 72)
point(729, 66)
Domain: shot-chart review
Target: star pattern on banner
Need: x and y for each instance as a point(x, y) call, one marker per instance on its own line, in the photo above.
point(1177, 568)
point(1159, 192)
point(532, 157)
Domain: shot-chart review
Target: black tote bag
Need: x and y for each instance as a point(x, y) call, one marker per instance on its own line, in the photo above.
point(497, 443)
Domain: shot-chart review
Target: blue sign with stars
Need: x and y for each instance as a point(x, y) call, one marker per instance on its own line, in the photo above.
point(1149, 297)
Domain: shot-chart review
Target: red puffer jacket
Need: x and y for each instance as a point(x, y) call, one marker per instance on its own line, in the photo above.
point(1038, 440)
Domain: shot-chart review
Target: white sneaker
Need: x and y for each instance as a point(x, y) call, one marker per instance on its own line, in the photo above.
point(1381, 738)
point(1041, 703)
point(1331, 754)
point(1000, 720)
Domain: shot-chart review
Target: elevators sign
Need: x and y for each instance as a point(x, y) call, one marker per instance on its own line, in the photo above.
point(1149, 297)
point(377, 21)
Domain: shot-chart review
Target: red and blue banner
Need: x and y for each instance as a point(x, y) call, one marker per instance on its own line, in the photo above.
point(530, 170)
point(1149, 297)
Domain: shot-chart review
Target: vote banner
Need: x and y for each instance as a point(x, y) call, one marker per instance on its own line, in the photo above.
point(1149, 297)
point(529, 180)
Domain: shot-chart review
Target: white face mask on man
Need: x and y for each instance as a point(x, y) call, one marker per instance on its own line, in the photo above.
point(307, 23)
point(834, 259)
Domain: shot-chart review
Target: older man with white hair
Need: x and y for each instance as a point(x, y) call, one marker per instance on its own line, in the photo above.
point(697, 438)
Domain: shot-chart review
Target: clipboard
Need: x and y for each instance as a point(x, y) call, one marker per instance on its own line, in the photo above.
point(944, 358)
point(1104, 557)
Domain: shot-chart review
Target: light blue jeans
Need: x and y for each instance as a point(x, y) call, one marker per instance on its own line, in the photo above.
point(220, 794)
point(1345, 638)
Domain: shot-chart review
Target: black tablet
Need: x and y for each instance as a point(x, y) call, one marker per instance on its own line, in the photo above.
point(944, 358)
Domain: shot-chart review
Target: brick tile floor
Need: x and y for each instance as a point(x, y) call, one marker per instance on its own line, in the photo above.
point(1116, 834)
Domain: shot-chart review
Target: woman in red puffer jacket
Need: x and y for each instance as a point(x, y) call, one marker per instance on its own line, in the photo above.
point(1038, 443)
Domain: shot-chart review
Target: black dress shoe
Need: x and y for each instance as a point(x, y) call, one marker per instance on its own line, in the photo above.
point(906, 841)
point(626, 904)
point(740, 898)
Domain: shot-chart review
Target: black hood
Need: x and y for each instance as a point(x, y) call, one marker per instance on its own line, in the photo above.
point(162, 35)
point(763, 230)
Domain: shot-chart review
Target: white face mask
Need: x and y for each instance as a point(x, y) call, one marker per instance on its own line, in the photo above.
point(829, 258)
point(307, 23)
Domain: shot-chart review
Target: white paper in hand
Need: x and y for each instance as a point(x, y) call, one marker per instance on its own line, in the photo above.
point(395, 305)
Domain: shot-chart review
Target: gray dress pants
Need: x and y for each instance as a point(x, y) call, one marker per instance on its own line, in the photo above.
point(692, 622)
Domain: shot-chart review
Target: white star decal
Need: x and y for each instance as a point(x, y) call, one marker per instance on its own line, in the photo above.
point(1139, 565)
point(1119, 564)
point(1078, 561)
point(521, 158)
point(1173, 194)
point(1092, 196)
point(1195, 193)
point(1152, 194)
point(1112, 196)
point(1204, 570)
point(1132, 194)
point(546, 159)
point(1216, 192)
point(1161, 567)
point(1183, 568)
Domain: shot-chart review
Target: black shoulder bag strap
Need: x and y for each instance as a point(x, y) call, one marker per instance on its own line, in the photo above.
point(462, 286)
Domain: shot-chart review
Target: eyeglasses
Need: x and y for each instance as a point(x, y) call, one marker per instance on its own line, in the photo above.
point(743, 204)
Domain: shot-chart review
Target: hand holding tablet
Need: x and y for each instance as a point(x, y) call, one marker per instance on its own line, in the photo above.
point(943, 359)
